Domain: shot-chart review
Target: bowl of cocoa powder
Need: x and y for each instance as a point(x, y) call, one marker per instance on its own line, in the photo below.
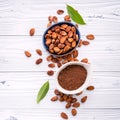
point(73, 77)
point(61, 38)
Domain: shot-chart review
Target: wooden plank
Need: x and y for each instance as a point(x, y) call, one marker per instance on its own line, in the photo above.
point(100, 17)
point(58, 2)
point(103, 53)
point(18, 62)
point(94, 25)
point(23, 88)
point(31, 81)
point(22, 99)
point(22, 7)
point(48, 113)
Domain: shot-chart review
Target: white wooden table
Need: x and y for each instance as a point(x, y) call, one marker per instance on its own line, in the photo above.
point(20, 78)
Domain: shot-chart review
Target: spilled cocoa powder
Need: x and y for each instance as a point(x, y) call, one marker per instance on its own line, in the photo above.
point(72, 77)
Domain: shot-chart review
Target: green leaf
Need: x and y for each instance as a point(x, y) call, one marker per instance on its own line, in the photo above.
point(75, 16)
point(43, 91)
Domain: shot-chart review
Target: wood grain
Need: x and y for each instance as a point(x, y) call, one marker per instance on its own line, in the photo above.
point(85, 114)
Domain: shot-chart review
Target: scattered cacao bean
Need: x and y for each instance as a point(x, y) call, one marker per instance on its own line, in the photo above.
point(90, 37)
point(85, 42)
point(60, 12)
point(76, 104)
point(50, 72)
point(55, 98)
point(51, 65)
point(90, 88)
point(39, 52)
point(27, 53)
point(74, 112)
point(32, 31)
point(64, 115)
point(84, 99)
point(38, 61)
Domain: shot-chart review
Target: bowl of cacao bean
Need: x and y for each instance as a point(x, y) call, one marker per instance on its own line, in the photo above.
point(61, 38)
point(73, 77)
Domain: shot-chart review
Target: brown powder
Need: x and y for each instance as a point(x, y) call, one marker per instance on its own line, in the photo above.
point(72, 77)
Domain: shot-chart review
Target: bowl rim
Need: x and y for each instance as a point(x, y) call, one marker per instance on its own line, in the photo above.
point(81, 88)
point(59, 23)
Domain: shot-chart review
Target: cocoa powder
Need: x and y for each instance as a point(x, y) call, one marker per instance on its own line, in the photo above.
point(72, 77)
